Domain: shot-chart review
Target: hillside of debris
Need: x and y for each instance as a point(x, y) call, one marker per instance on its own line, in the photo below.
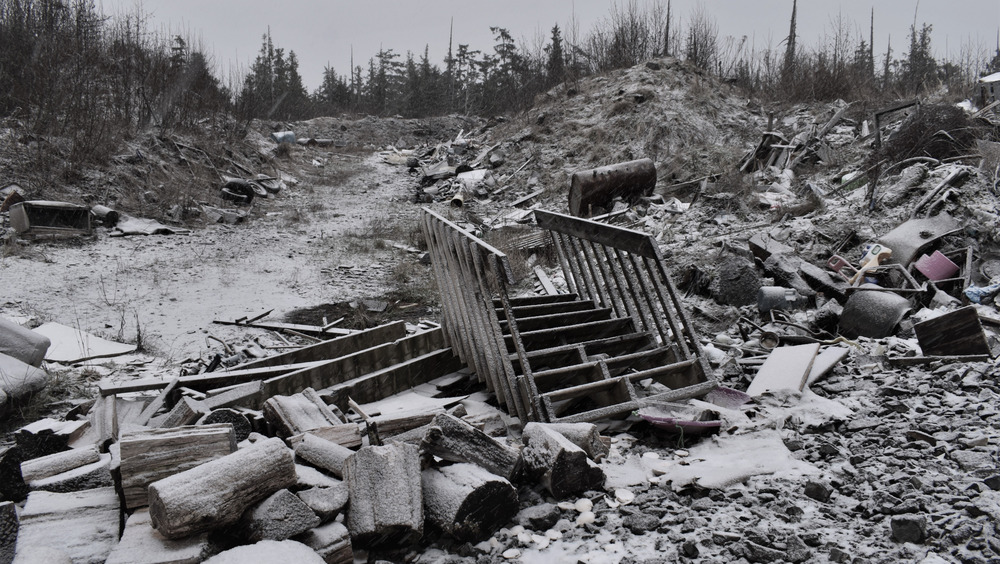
point(343, 338)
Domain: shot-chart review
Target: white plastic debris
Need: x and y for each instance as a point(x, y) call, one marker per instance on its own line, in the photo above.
point(584, 505)
point(511, 553)
point(624, 496)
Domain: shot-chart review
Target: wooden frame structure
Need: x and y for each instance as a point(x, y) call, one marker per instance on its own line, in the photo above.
point(618, 340)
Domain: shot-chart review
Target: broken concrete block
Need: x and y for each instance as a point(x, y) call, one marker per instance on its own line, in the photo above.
point(268, 551)
point(331, 541)
point(22, 343)
point(81, 525)
point(280, 516)
point(141, 544)
point(386, 496)
point(326, 503)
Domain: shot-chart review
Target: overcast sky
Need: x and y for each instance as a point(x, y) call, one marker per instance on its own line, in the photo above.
point(324, 33)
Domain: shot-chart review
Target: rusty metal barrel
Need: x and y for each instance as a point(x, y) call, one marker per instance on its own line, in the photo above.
point(597, 187)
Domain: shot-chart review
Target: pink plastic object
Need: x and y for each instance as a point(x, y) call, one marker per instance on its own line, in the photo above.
point(841, 266)
point(936, 266)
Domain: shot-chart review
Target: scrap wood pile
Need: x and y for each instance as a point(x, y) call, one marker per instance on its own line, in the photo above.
point(282, 448)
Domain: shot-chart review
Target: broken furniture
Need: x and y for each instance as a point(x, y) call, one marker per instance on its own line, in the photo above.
point(39, 217)
point(619, 337)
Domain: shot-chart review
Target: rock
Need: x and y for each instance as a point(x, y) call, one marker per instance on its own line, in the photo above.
point(539, 517)
point(690, 549)
point(838, 555)
point(818, 491)
point(737, 282)
point(640, 523)
point(326, 503)
point(280, 516)
point(909, 528)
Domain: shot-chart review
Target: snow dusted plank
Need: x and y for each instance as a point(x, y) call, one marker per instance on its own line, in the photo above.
point(825, 361)
point(82, 525)
point(72, 345)
point(141, 544)
point(785, 368)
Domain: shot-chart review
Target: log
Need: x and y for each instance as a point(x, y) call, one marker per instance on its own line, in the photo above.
point(277, 517)
point(241, 425)
point(148, 456)
point(452, 439)
point(298, 413)
point(385, 494)
point(12, 486)
point(467, 502)
point(141, 544)
point(47, 436)
point(323, 454)
point(46, 466)
point(561, 466)
point(347, 435)
point(585, 436)
point(82, 526)
point(89, 476)
point(216, 493)
point(185, 412)
point(8, 531)
point(599, 186)
point(332, 542)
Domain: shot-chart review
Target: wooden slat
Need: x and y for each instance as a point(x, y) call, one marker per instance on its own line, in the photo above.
point(392, 379)
point(333, 348)
point(616, 237)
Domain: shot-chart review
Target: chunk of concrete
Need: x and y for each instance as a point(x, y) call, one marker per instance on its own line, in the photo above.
point(326, 503)
point(280, 516)
point(331, 541)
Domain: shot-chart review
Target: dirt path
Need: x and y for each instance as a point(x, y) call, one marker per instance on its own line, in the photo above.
point(326, 239)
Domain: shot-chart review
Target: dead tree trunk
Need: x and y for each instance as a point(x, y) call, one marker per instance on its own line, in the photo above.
point(216, 493)
point(467, 502)
point(323, 454)
point(561, 466)
point(455, 440)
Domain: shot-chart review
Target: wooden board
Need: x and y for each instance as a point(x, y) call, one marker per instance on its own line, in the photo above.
point(785, 368)
point(952, 334)
point(825, 361)
point(334, 348)
point(72, 345)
